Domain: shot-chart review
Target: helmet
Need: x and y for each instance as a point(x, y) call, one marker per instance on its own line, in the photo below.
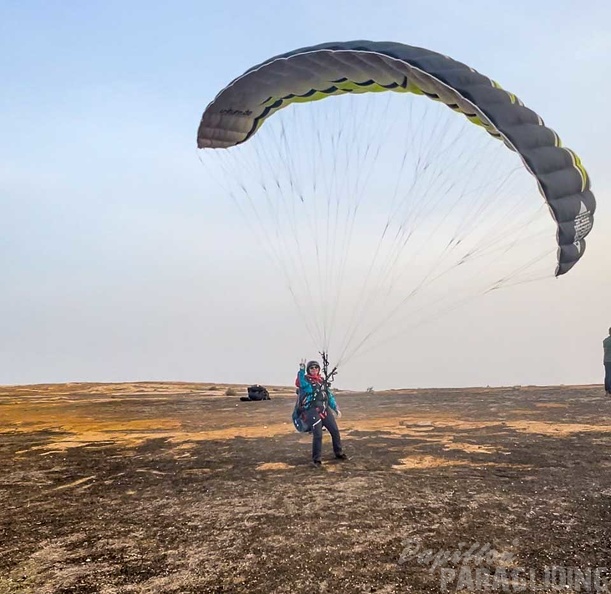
point(312, 364)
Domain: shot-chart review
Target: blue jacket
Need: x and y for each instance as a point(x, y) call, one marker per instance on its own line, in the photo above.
point(307, 395)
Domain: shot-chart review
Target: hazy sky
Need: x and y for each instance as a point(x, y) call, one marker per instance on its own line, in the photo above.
point(118, 265)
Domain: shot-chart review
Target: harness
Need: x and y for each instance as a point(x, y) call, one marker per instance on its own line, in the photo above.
point(320, 393)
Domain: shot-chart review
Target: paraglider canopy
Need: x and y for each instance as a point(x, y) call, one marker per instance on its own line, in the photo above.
point(332, 172)
point(316, 72)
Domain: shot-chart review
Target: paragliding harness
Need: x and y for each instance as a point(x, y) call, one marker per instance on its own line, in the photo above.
point(321, 396)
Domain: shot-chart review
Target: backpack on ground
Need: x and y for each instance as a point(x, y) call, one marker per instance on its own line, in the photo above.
point(257, 393)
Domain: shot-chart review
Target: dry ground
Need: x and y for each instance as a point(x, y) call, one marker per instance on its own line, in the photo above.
point(178, 488)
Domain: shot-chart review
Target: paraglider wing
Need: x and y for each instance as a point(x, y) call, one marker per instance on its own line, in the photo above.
point(317, 72)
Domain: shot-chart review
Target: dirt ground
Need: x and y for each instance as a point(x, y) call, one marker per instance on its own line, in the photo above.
point(179, 488)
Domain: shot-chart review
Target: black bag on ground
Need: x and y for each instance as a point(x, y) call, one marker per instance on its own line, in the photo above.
point(257, 392)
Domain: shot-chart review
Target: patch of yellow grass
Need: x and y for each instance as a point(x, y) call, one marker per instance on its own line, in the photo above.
point(75, 483)
point(412, 462)
point(470, 448)
point(274, 466)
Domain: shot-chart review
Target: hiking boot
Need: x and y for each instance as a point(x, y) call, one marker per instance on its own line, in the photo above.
point(341, 457)
point(316, 464)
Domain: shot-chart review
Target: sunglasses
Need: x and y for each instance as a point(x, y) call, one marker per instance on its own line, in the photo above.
point(313, 367)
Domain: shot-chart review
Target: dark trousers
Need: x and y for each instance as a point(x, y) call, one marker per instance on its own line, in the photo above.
point(317, 422)
point(608, 377)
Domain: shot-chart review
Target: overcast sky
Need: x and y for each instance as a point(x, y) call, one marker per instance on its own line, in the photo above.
point(117, 265)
